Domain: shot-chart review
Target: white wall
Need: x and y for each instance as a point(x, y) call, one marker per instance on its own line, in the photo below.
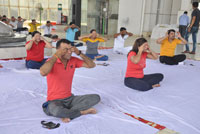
point(176, 6)
point(150, 15)
point(130, 13)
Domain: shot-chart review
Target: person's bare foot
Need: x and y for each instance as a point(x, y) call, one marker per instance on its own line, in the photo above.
point(89, 111)
point(97, 57)
point(156, 85)
point(65, 120)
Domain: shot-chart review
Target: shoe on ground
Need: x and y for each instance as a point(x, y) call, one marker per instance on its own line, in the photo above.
point(186, 51)
point(192, 52)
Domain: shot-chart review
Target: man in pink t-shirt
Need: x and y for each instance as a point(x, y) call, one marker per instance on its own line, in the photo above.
point(59, 70)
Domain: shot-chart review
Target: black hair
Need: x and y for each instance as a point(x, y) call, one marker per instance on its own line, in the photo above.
point(171, 30)
point(19, 16)
point(195, 4)
point(122, 29)
point(48, 21)
point(54, 36)
point(35, 32)
point(185, 12)
point(4, 15)
point(4, 20)
point(33, 20)
point(71, 23)
point(62, 41)
point(92, 30)
point(137, 44)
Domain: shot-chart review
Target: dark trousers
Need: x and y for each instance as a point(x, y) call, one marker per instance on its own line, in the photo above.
point(21, 29)
point(70, 107)
point(76, 44)
point(172, 60)
point(34, 64)
point(145, 83)
point(182, 30)
point(48, 35)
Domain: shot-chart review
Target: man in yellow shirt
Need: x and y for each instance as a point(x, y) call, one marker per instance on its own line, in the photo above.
point(33, 26)
point(168, 46)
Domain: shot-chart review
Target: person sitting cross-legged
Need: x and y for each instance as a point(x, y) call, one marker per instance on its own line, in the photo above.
point(59, 69)
point(135, 77)
point(92, 41)
point(35, 51)
point(120, 40)
point(168, 46)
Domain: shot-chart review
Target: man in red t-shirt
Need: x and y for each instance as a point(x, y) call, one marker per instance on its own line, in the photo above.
point(35, 51)
point(59, 70)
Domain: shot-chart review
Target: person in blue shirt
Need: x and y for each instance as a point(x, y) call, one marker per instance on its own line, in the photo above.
point(70, 33)
point(183, 23)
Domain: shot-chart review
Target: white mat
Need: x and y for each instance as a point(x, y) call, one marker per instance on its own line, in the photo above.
point(175, 104)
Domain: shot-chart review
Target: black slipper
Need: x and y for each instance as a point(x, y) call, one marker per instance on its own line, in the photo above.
point(49, 125)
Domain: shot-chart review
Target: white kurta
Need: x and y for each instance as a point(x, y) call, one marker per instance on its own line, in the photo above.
point(47, 30)
point(119, 43)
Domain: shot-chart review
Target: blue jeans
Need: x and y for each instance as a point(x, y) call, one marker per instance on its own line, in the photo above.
point(34, 64)
point(194, 32)
point(92, 56)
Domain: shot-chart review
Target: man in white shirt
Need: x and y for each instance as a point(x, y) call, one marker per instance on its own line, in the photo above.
point(48, 29)
point(13, 23)
point(120, 40)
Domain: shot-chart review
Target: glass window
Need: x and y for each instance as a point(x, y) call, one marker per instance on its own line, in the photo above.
point(53, 14)
point(33, 3)
point(53, 4)
point(64, 3)
point(24, 13)
point(23, 3)
point(44, 3)
point(44, 15)
point(4, 10)
point(65, 12)
point(14, 11)
point(14, 3)
point(33, 13)
point(4, 2)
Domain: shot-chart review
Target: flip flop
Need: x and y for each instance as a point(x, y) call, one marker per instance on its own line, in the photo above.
point(49, 125)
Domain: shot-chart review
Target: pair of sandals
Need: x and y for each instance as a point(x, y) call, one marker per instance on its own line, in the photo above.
point(49, 125)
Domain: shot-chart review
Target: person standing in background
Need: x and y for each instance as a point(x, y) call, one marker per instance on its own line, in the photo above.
point(183, 23)
point(193, 28)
